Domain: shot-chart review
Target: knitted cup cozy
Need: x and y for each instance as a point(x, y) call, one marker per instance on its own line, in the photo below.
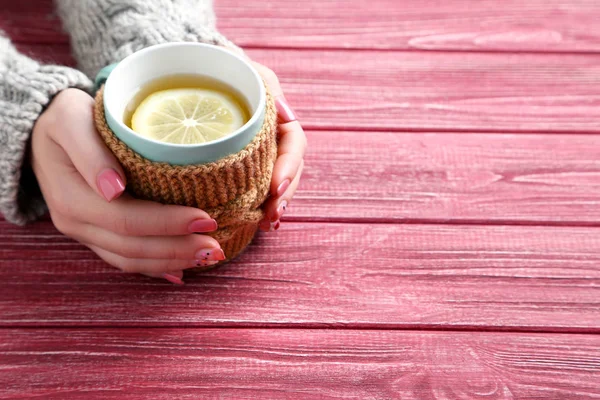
point(231, 190)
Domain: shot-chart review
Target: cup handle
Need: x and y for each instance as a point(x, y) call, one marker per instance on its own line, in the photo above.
point(103, 76)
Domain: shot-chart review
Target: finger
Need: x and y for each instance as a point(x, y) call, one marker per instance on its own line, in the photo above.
point(171, 270)
point(292, 145)
point(291, 149)
point(128, 216)
point(125, 216)
point(86, 150)
point(133, 217)
point(173, 277)
point(285, 113)
point(275, 207)
point(190, 247)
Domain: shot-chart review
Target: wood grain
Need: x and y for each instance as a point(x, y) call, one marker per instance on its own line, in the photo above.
point(456, 92)
point(487, 25)
point(460, 25)
point(380, 90)
point(323, 275)
point(283, 364)
point(475, 178)
point(375, 177)
point(360, 75)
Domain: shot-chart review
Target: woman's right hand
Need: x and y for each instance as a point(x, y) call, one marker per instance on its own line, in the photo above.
point(83, 185)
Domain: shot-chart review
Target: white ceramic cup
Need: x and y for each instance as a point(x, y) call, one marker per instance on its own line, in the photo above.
point(124, 79)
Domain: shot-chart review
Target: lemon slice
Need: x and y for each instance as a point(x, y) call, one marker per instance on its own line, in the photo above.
point(187, 116)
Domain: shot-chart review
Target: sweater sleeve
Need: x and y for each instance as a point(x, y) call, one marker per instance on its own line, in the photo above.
point(106, 31)
point(26, 88)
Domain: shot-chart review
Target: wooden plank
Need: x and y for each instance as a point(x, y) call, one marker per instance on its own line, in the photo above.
point(283, 364)
point(379, 90)
point(315, 275)
point(488, 25)
point(465, 25)
point(476, 178)
point(450, 178)
point(31, 21)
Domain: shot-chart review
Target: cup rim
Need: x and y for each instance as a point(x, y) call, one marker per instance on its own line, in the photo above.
point(253, 119)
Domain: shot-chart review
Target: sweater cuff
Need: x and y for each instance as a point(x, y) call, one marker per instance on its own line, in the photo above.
point(26, 89)
point(104, 32)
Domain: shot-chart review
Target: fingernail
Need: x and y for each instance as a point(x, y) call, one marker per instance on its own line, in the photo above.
point(206, 263)
point(210, 255)
point(203, 225)
point(273, 226)
point(110, 184)
point(283, 187)
point(284, 110)
point(172, 279)
point(281, 209)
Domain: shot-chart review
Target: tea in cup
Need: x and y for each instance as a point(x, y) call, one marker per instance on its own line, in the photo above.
point(184, 103)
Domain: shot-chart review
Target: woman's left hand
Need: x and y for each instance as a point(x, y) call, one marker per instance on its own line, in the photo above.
point(289, 164)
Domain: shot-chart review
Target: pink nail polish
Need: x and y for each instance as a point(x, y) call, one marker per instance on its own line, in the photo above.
point(283, 187)
point(273, 226)
point(281, 209)
point(205, 263)
point(284, 110)
point(203, 225)
point(172, 279)
point(210, 255)
point(110, 184)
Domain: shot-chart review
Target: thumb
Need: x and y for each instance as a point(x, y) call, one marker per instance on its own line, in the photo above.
point(88, 153)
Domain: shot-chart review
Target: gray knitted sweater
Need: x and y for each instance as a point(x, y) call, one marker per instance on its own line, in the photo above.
point(102, 32)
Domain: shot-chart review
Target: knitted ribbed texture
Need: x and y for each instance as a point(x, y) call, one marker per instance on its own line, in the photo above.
point(26, 88)
point(106, 31)
point(232, 190)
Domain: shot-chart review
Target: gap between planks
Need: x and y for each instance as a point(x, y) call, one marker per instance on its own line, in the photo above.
point(26, 43)
point(455, 222)
point(417, 221)
point(322, 327)
point(450, 131)
point(400, 51)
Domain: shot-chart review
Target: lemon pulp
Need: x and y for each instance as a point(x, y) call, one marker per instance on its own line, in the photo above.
point(187, 116)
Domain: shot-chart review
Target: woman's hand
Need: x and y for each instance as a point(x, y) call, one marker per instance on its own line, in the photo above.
point(289, 164)
point(83, 185)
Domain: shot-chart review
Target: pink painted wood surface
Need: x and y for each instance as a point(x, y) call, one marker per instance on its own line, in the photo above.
point(382, 90)
point(324, 275)
point(475, 178)
point(485, 25)
point(365, 170)
point(296, 364)
point(489, 25)
point(450, 178)
point(419, 91)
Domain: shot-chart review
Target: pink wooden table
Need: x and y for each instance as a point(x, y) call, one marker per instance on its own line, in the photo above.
point(444, 243)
